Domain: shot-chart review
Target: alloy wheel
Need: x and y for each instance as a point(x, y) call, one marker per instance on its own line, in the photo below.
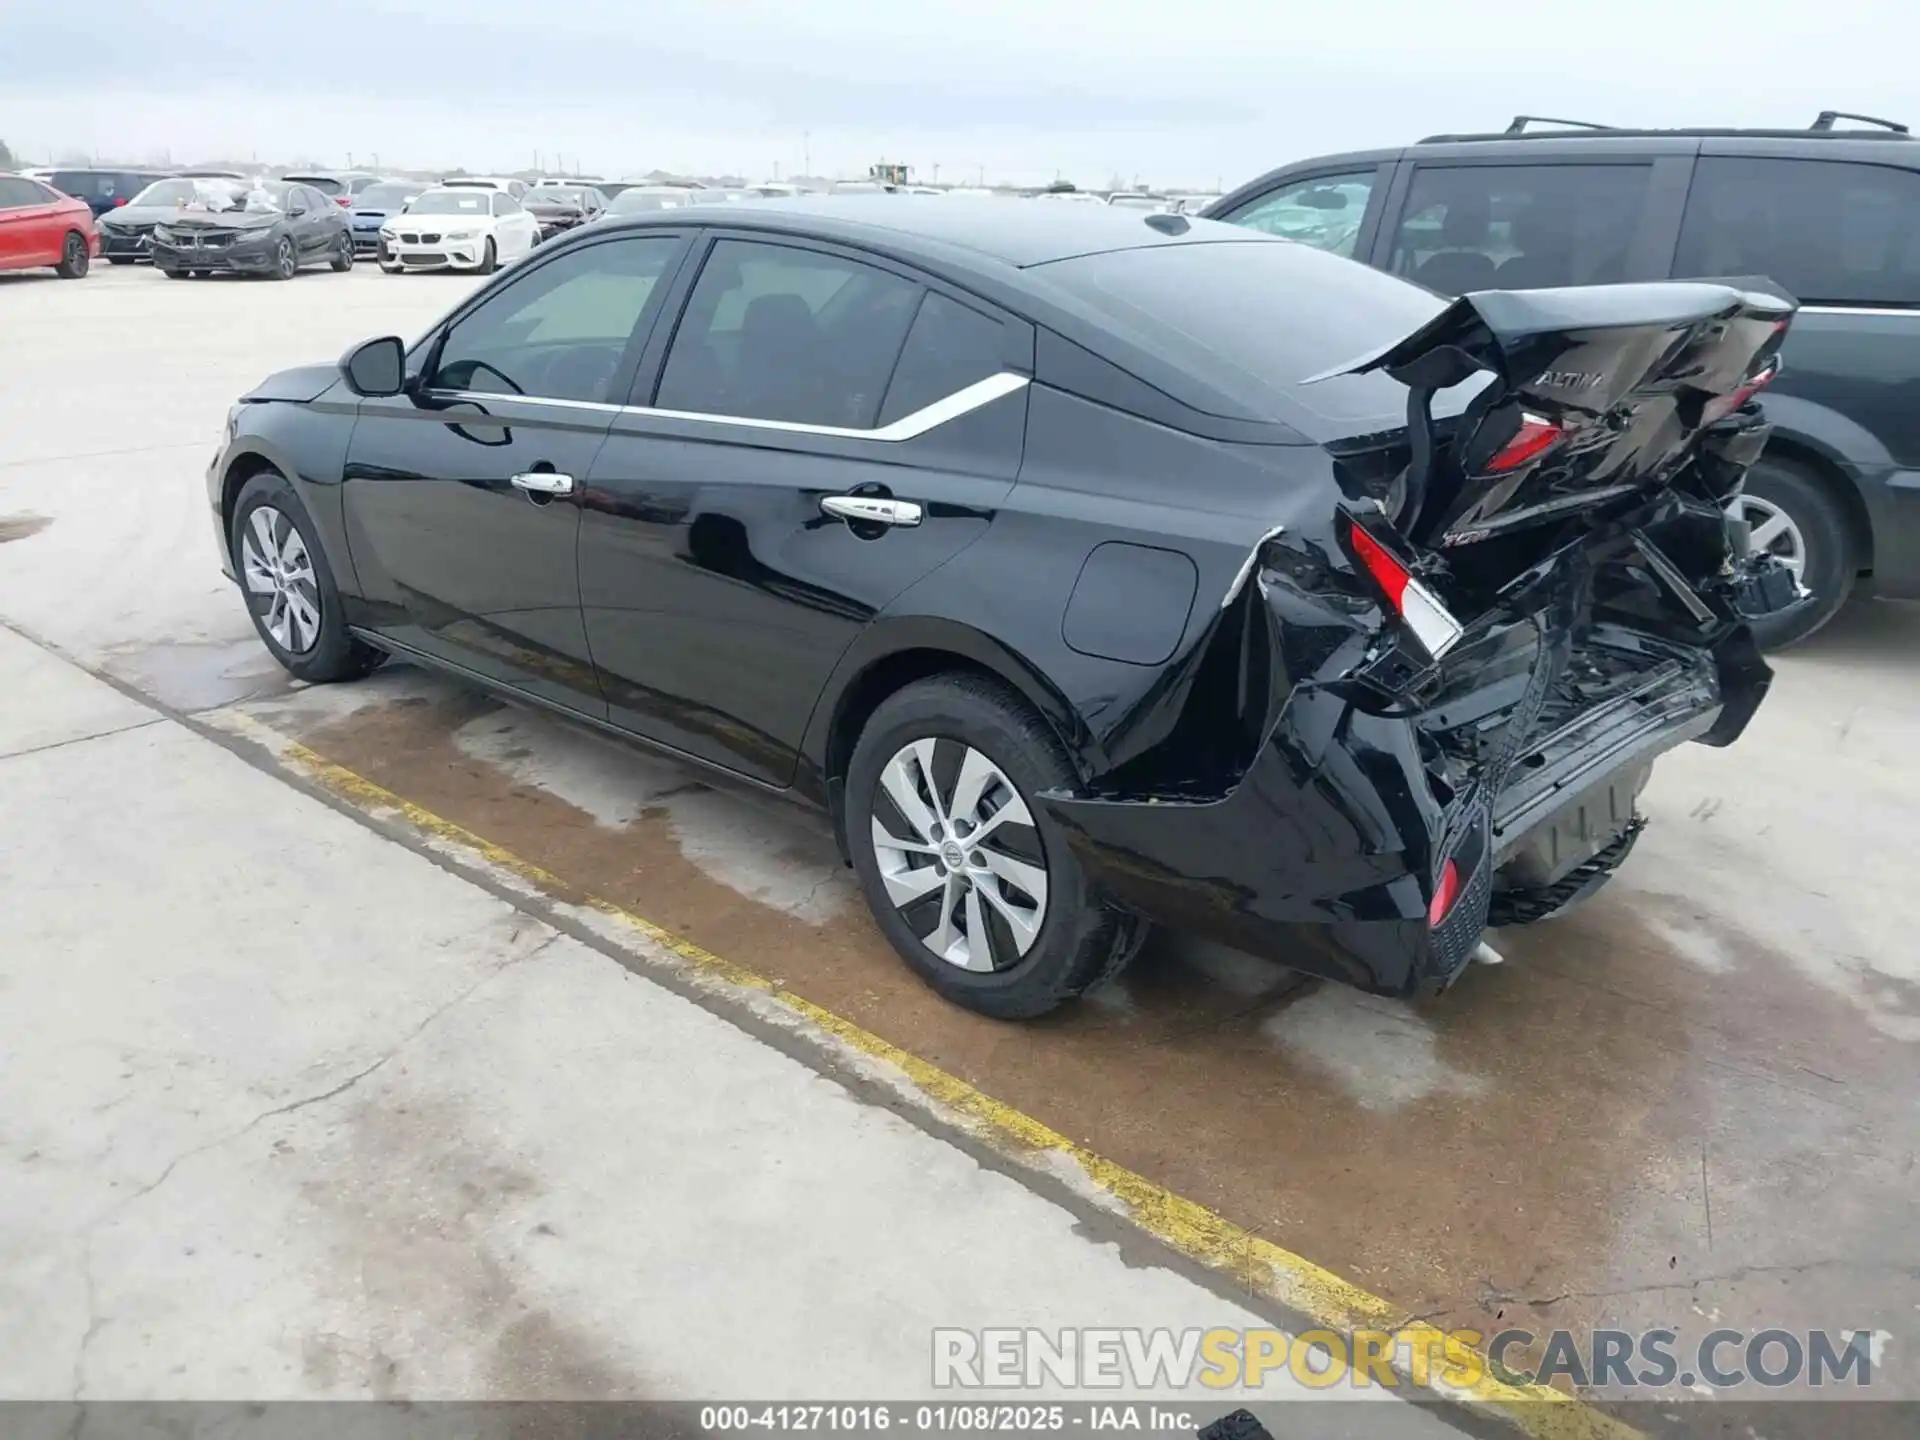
point(280, 582)
point(958, 852)
point(284, 266)
point(1772, 530)
point(76, 256)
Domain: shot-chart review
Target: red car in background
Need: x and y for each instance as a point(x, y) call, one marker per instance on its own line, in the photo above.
point(41, 227)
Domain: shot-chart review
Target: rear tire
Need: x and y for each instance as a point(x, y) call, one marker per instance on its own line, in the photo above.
point(343, 256)
point(1817, 530)
point(976, 756)
point(74, 257)
point(272, 540)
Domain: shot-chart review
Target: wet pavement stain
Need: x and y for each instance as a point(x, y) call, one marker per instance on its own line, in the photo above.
point(19, 527)
point(1539, 1147)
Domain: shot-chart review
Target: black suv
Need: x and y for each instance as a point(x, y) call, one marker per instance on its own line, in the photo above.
point(1831, 213)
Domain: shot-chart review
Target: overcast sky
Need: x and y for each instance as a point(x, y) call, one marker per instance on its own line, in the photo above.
point(1182, 93)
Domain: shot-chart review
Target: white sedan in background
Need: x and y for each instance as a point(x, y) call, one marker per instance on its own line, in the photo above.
point(458, 228)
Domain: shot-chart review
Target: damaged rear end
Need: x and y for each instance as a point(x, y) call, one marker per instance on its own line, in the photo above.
point(1445, 703)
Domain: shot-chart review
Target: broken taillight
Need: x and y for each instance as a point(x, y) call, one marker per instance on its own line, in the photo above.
point(1725, 405)
point(1535, 437)
point(1430, 621)
point(1444, 894)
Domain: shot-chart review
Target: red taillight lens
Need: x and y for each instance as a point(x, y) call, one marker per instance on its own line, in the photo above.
point(1536, 436)
point(1444, 894)
point(1724, 406)
point(1392, 576)
point(1430, 621)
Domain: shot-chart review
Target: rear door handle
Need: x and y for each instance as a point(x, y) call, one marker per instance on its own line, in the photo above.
point(872, 509)
point(543, 482)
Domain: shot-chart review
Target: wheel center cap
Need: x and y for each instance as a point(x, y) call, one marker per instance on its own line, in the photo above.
point(954, 857)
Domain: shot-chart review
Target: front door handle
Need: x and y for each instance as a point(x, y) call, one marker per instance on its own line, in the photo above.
point(543, 482)
point(872, 509)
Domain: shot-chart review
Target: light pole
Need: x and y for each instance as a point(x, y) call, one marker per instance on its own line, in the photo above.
point(806, 152)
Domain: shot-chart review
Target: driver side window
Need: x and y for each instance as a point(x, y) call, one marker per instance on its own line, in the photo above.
point(558, 332)
point(1324, 212)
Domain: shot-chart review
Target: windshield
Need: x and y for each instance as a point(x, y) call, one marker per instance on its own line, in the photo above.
point(452, 202)
point(634, 202)
point(1256, 320)
point(269, 195)
point(185, 192)
point(555, 195)
point(386, 197)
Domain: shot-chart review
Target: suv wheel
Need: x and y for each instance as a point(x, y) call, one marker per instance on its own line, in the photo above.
point(1797, 517)
point(973, 885)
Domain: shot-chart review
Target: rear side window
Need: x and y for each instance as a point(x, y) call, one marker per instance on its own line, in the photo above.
point(773, 332)
point(1832, 232)
point(1324, 212)
point(949, 348)
point(16, 193)
point(96, 185)
point(1518, 227)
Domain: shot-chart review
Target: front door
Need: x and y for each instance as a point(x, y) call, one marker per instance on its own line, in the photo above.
point(825, 432)
point(463, 498)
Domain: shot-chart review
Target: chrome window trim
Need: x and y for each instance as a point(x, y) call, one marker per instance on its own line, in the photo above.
point(1860, 310)
point(907, 427)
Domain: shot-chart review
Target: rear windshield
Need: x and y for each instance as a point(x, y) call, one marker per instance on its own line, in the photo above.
point(1255, 320)
point(386, 197)
point(94, 184)
point(325, 184)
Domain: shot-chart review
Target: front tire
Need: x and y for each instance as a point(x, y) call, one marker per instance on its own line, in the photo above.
point(969, 880)
point(74, 257)
point(285, 263)
point(489, 258)
point(289, 586)
point(343, 256)
point(1798, 517)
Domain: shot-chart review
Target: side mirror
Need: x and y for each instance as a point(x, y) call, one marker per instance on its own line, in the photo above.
point(376, 368)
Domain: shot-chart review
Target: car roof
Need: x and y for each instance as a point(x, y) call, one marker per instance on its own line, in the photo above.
point(929, 227)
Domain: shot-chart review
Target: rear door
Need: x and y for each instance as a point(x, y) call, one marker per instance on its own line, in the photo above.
point(826, 428)
point(307, 212)
point(20, 202)
point(1843, 237)
point(1462, 223)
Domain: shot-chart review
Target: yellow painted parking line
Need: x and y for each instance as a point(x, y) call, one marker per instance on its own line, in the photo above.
point(1324, 1298)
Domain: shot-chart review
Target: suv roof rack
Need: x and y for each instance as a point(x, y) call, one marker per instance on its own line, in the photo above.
point(1520, 123)
point(1827, 117)
point(1825, 126)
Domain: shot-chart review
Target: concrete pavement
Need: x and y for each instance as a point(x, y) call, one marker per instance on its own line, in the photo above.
point(1689, 1103)
point(294, 1112)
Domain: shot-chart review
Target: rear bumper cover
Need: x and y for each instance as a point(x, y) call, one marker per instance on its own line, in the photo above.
point(1324, 856)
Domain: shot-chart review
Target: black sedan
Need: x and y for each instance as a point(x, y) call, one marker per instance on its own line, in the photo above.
point(560, 208)
point(1087, 569)
point(271, 229)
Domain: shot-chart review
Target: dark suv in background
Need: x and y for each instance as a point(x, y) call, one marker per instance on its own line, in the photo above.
point(103, 189)
point(1830, 214)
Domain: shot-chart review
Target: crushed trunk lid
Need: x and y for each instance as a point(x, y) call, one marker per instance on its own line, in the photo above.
point(1597, 393)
